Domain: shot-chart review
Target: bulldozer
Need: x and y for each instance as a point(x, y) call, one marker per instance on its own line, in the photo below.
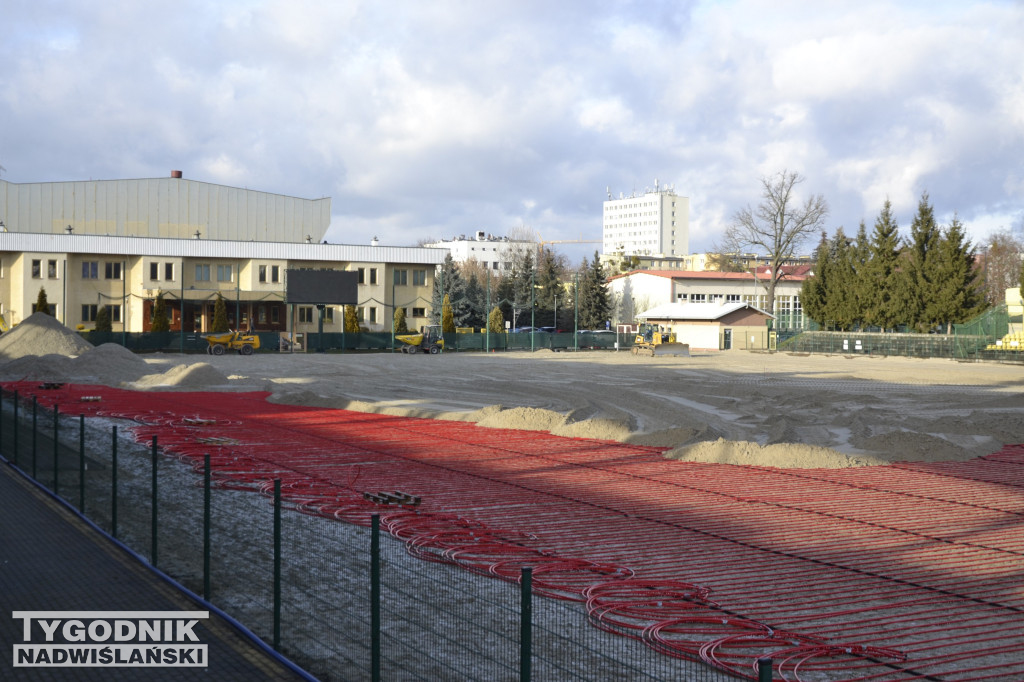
point(429, 340)
point(221, 342)
point(653, 340)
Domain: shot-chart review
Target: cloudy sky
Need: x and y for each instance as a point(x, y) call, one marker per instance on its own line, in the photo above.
point(429, 119)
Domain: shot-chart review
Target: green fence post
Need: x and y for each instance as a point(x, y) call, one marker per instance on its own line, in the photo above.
point(206, 527)
point(375, 597)
point(154, 507)
point(35, 410)
point(15, 428)
point(113, 484)
point(56, 449)
point(277, 564)
point(764, 670)
point(81, 463)
point(526, 624)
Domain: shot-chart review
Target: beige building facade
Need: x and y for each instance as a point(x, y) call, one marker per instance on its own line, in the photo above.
point(82, 270)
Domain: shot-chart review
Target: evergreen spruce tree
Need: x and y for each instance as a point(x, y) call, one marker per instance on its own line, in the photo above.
point(447, 317)
point(840, 293)
point(886, 304)
point(42, 305)
point(549, 292)
point(351, 320)
point(958, 295)
point(495, 321)
point(476, 298)
point(400, 325)
point(863, 292)
point(159, 322)
point(450, 283)
point(103, 322)
point(919, 271)
point(594, 302)
point(220, 316)
point(812, 291)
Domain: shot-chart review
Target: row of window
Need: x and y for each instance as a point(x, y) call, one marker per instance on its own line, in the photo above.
point(308, 314)
point(89, 312)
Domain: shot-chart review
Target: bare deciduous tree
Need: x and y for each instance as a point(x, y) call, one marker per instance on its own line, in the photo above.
point(777, 226)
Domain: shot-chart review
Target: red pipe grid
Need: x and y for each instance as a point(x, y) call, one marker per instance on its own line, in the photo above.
point(900, 572)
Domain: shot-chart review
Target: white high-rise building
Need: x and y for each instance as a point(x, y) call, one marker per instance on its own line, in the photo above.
point(655, 223)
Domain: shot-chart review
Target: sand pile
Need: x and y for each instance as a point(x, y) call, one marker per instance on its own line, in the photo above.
point(41, 334)
point(188, 376)
point(108, 364)
point(781, 455)
point(52, 367)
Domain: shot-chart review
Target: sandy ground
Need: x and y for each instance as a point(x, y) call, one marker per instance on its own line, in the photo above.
point(740, 407)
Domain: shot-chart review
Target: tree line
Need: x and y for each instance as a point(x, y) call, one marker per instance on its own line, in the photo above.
point(539, 290)
point(925, 282)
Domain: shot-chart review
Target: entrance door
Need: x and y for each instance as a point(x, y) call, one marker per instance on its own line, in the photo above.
point(726, 339)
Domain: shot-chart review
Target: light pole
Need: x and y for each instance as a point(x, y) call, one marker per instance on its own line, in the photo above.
point(533, 308)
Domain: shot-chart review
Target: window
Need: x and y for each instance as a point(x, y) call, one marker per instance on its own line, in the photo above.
point(90, 269)
point(89, 313)
point(51, 269)
point(419, 278)
point(224, 273)
point(328, 315)
point(305, 314)
point(261, 314)
point(373, 314)
point(419, 312)
point(154, 271)
point(169, 272)
point(401, 277)
point(698, 298)
point(732, 298)
point(115, 313)
point(362, 273)
point(37, 268)
point(112, 270)
point(274, 272)
point(360, 312)
point(275, 315)
point(373, 275)
point(202, 273)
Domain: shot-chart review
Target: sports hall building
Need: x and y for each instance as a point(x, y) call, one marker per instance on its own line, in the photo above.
point(121, 243)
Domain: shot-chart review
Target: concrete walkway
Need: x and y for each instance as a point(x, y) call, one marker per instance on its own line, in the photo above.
point(51, 560)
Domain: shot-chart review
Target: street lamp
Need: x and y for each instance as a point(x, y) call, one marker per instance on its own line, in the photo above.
point(533, 308)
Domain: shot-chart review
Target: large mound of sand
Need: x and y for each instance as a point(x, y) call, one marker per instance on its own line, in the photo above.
point(41, 334)
point(186, 376)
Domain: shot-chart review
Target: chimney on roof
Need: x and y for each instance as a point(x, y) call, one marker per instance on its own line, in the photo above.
point(176, 174)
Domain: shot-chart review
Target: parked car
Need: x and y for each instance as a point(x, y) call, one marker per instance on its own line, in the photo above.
point(522, 330)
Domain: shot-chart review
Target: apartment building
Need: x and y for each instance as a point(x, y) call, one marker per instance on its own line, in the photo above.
point(655, 223)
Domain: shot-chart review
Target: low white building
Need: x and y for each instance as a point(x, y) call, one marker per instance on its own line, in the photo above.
point(713, 326)
point(639, 291)
point(493, 253)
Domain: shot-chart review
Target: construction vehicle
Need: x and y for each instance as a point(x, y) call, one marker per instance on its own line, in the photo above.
point(221, 342)
point(653, 340)
point(429, 340)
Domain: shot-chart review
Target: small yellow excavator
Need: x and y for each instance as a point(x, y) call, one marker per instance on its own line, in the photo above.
point(429, 340)
point(245, 344)
point(653, 340)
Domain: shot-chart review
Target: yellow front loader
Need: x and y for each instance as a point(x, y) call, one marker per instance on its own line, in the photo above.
point(221, 342)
